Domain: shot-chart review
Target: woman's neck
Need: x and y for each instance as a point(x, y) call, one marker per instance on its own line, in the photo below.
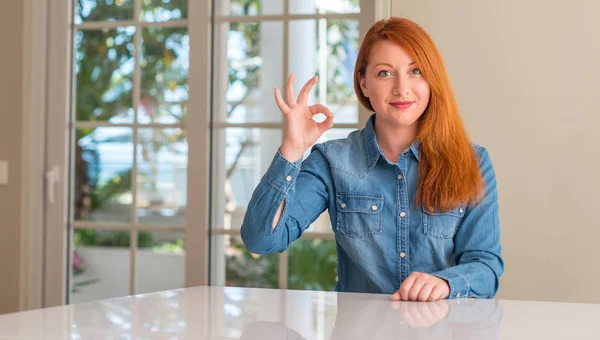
point(393, 139)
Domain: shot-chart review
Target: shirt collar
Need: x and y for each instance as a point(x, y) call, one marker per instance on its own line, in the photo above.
point(372, 149)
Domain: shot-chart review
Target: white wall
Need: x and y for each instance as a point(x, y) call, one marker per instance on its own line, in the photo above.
point(526, 77)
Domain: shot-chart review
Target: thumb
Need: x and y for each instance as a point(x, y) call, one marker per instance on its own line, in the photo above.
point(326, 124)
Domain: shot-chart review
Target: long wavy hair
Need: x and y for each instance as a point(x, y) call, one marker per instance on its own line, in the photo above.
point(449, 174)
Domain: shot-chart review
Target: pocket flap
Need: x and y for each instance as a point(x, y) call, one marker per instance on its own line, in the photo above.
point(458, 212)
point(348, 202)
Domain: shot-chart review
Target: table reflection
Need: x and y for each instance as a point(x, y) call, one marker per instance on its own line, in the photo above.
point(376, 317)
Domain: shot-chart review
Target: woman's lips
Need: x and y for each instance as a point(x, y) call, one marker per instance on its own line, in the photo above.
point(401, 105)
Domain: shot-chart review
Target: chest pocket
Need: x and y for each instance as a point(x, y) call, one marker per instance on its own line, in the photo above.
point(358, 215)
point(442, 224)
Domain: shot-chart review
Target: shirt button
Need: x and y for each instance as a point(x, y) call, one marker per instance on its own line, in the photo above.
point(402, 214)
point(374, 208)
point(461, 210)
point(343, 205)
point(402, 254)
point(457, 295)
point(288, 178)
point(399, 176)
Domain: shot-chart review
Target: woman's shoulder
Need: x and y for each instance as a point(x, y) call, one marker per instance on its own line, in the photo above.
point(346, 154)
point(482, 153)
point(479, 150)
point(353, 142)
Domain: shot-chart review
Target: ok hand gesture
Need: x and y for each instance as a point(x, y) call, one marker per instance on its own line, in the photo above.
point(301, 131)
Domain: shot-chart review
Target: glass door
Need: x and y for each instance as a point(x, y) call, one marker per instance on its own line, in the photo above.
point(129, 151)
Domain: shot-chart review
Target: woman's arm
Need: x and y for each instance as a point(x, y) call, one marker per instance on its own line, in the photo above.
point(297, 192)
point(477, 254)
point(289, 198)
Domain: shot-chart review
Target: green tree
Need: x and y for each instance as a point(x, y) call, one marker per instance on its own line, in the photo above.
point(104, 69)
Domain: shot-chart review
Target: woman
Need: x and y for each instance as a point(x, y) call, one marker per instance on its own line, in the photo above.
point(413, 203)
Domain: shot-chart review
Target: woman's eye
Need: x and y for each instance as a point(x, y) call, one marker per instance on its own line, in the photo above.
point(384, 73)
point(416, 72)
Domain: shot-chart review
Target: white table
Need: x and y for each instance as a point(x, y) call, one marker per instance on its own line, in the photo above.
point(234, 313)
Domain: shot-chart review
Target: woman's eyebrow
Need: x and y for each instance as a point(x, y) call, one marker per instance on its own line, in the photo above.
point(390, 65)
point(384, 64)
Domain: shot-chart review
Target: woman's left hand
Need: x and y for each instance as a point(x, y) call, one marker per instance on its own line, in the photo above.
point(422, 287)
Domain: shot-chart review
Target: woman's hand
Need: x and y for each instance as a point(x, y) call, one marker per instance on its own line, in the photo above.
point(419, 315)
point(422, 287)
point(301, 131)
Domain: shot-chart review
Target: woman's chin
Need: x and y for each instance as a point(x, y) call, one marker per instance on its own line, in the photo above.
point(401, 120)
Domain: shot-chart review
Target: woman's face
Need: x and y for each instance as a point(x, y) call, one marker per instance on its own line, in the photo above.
point(395, 86)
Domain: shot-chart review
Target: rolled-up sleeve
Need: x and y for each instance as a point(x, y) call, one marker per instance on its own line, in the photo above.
point(477, 255)
point(303, 186)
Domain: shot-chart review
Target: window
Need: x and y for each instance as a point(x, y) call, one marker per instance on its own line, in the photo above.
point(137, 88)
point(129, 150)
point(256, 44)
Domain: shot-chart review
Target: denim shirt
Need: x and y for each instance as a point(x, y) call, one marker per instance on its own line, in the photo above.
point(381, 235)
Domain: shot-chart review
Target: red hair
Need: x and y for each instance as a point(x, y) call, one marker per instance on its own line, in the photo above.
point(449, 174)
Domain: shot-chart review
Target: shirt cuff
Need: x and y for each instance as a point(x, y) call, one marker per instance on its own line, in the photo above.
point(459, 286)
point(282, 174)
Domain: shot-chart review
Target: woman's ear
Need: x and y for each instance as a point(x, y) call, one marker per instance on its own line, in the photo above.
point(363, 84)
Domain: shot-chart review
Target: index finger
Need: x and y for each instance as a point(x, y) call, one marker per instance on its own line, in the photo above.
point(406, 286)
